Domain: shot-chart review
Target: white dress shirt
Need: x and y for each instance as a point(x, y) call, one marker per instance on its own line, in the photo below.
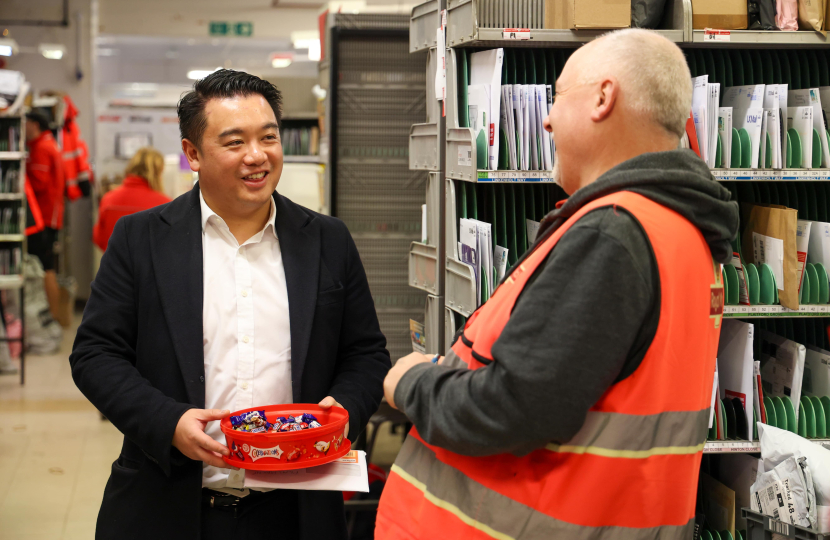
point(247, 333)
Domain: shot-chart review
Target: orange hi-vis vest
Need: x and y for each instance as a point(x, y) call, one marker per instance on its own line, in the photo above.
point(631, 471)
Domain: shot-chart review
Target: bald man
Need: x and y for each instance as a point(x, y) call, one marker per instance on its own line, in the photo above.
point(574, 403)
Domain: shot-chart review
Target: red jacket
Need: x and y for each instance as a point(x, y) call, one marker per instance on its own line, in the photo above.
point(134, 195)
point(75, 162)
point(44, 169)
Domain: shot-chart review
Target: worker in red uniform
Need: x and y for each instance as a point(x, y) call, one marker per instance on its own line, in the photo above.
point(75, 155)
point(44, 169)
point(141, 190)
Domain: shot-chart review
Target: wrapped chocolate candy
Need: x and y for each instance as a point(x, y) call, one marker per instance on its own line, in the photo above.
point(252, 422)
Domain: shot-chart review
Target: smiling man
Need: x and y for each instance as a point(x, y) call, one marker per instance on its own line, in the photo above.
point(229, 297)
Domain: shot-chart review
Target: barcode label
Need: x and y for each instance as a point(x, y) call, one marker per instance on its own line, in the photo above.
point(465, 155)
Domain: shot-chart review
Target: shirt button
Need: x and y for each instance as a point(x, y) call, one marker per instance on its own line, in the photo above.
point(244, 385)
point(202, 378)
point(245, 339)
point(244, 293)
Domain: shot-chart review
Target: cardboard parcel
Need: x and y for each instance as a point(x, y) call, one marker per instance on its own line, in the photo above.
point(769, 237)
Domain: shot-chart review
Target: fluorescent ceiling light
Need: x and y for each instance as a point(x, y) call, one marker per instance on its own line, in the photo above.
point(280, 62)
point(307, 39)
point(8, 47)
point(52, 51)
point(196, 74)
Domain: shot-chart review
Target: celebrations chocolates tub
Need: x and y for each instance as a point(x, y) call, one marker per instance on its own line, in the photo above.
point(280, 451)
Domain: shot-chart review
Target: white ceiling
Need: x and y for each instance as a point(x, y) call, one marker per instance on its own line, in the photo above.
point(161, 59)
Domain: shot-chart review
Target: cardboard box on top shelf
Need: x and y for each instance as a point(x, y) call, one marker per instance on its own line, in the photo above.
point(719, 14)
point(587, 14)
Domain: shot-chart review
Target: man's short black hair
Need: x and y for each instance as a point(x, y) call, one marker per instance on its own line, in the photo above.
point(223, 83)
point(40, 119)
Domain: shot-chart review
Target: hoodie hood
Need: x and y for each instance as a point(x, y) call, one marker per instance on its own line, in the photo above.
point(71, 110)
point(678, 180)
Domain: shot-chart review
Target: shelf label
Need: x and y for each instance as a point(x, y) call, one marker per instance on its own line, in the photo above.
point(465, 155)
point(710, 34)
point(516, 33)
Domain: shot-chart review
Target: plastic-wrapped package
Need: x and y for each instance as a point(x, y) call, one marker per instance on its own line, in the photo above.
point(778, 445)
point(786, 15)
point(784, 494)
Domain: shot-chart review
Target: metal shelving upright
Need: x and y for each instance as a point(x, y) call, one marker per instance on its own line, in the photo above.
point(374, 94)
point(15, 198)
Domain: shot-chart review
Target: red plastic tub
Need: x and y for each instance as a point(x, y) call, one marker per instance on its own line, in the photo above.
point(289, 450)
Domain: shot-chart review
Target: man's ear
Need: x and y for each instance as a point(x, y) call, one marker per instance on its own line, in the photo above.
point(606, 98)
point(192, 154)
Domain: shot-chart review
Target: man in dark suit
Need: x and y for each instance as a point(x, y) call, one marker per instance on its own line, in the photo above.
point(229, 297)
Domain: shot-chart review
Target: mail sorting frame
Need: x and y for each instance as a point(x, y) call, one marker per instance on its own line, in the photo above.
point(18, 240)
point(426, 145)
point(459, 281)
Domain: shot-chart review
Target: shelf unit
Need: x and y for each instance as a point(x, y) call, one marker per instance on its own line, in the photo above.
point(17, 201)
point(449, 152)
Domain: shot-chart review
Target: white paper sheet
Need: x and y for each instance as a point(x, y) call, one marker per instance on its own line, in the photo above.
point(700, 106)
point(478, 109)
point(769, 250)
point(546, 161)
point(816, 381)
point(500, 262)
point(810, 97)
point(725, 130)
point(485, 68)
point(801, 119)
point(533, 131)
point(735, 365)
point(782, 374)
point(518, 114)
point(802, 244)
point(751, 120)
point(742, 98)
point(819, 249)
point(712, 121)
point(349, 473)
point(468, 239)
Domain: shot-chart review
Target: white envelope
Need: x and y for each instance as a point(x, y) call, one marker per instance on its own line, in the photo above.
point(816, 372)
point(819, 247)
point(762, 150)
point(801, 119)
point(774, 131)
point(783, 374)
point(533, 132)
point(744, 97)
point(735, 365)
point(771, 100)
point(349, 473)
point(518, 113)
point(810, 97)
point(485, 68)
point(544, 140)
point(712, 121)
point(507, 125)
point(751, 120)
point(725, 130)
point(478, 111)
point(700, 107)
point(783, 103)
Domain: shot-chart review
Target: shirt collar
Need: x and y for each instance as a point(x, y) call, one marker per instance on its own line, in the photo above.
point(207, 214)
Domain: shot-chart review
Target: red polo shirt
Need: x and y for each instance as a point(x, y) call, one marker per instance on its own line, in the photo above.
point(44, 169)
point(134, 195)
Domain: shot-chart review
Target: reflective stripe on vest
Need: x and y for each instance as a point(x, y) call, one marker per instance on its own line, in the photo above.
point(631, 471)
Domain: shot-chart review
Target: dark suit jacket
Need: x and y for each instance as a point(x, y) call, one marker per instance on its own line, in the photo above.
point(139, 357)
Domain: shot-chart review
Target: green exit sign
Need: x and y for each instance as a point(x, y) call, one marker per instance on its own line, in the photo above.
point(218, 28)
point(223, 28)
point(243, 29)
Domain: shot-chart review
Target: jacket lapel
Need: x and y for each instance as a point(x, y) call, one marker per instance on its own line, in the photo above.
point(299, 236)
point(176, 240)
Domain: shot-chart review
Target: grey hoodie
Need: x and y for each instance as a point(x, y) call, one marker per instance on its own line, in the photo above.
point(583, 322)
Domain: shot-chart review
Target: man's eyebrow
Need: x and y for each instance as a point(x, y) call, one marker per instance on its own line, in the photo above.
point(239, 131)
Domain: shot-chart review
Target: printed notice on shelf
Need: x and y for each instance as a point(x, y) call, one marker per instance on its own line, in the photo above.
point(710, 34)
point(769, 250)
point(516, 33)
point(465, 155)
point(348, 473)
